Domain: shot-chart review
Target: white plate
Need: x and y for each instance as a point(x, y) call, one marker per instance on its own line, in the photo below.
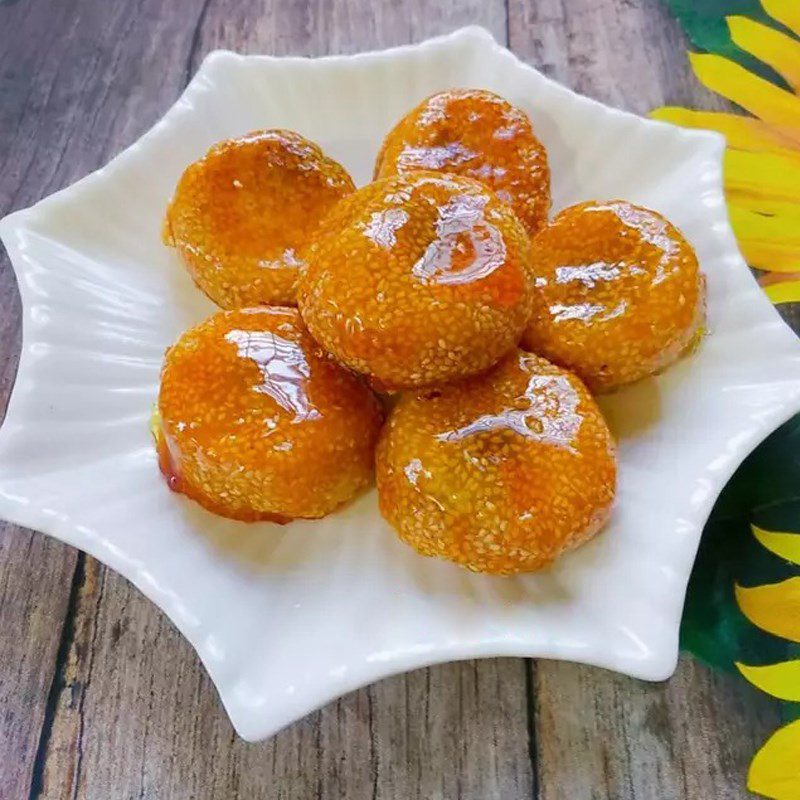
point(287, 618)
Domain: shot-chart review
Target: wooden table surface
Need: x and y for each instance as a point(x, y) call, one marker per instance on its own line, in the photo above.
point(100, 697)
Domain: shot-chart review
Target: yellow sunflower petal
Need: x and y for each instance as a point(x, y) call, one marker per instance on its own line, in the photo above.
point(773, 257)
point(785, 545)
point(769, 257)
point(763, 175)
point(765, 205)
point(775, 768)
point(769, 241)
point(787, 12)
point(775, 106)
point(774, 608)
point(780, 680)
point(743, 133)
point(771, 228)
point(785, 292)
point(771, 46)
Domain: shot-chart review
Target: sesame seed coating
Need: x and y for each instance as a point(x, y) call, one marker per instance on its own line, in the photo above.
point(417, 279)
point(241, 213)
point(475, 133)
point(257, 422)
point(619, 293)
point(501, 472)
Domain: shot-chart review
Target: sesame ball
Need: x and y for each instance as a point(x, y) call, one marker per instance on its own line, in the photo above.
point(417, 279)
point(241, 213)
point(256, 422)
point(475, 133)
point(500, 473)
point(619, 293)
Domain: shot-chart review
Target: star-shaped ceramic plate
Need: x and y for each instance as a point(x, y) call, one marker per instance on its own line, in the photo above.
point(287, 618)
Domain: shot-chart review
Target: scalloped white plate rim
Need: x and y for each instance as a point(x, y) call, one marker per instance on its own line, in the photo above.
point(22, 512)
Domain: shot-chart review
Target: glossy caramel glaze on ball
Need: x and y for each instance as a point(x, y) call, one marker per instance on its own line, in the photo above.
point(475, 133)
point(500, 473)
point(619, 293)
point(256, 422)
point(418, 279)
point(241, 213)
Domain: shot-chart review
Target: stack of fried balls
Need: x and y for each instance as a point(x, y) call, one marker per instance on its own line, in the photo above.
point(433, 330)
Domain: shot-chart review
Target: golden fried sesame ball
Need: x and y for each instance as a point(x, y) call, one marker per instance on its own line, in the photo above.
point(241, 213)
point(417, 279)
point(475, 133)
point(619, 293)
point(256, 422)
point(500, 473)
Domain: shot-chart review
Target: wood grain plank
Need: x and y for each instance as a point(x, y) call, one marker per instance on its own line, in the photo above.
point(35, 576)
point(604, 736)
point(599, 735)
point(627, 53)
point(70, 97)
point(131, 686)
point(299, 27)
point(452, 731)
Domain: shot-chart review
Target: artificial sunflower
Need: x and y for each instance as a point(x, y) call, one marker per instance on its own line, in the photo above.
point(775, 608)
point(743, 603)
point(762, 161)
point(754, 61)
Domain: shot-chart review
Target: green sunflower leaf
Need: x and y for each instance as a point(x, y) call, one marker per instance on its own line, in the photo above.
point(766, 491)
point(704, 23)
